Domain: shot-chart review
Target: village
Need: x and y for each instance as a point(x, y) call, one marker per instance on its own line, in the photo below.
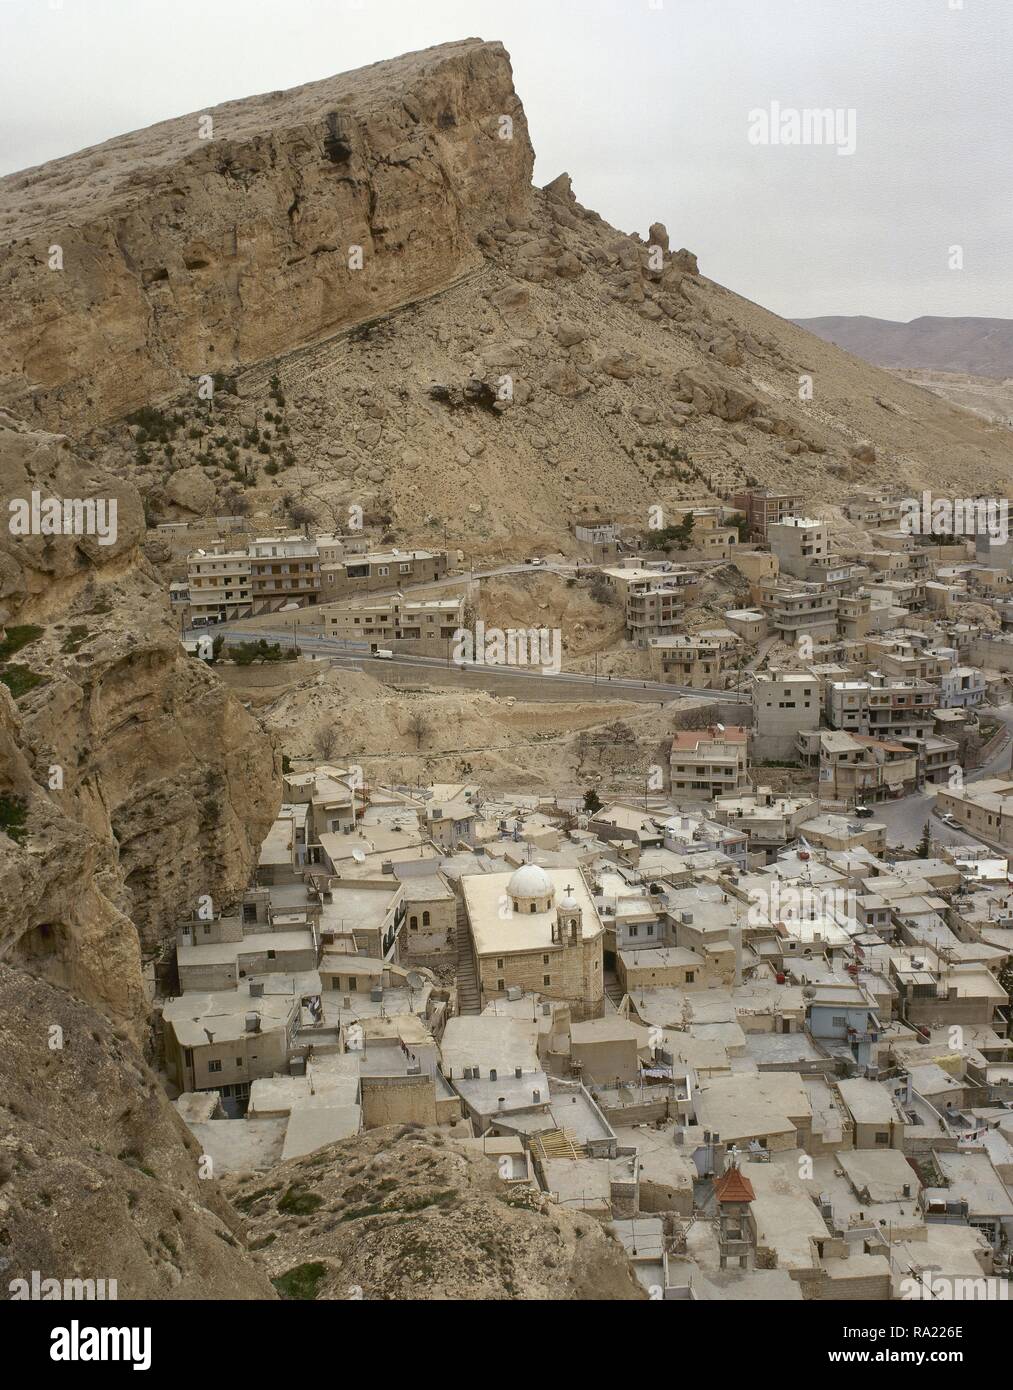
point(754, 1018)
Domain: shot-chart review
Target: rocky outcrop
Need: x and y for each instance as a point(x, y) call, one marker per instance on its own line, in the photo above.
point(99, 1177)
point(177, 255)
point(408, 1213)
point(503, 354)
point(130, 780)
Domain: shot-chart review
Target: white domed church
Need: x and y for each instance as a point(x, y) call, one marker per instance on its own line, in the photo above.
point(537, 929)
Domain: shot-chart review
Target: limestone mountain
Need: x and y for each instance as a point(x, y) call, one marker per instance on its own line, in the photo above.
point(973, 346)
point(502, 361)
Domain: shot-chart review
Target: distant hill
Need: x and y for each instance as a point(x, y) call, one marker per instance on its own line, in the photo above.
point(979, 347)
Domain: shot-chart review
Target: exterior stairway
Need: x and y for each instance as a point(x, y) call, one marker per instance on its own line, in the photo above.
point(468, 999)
point(613, 989)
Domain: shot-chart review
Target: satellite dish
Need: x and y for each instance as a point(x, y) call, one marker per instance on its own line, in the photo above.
point(359, 856)
point(415, 980)
point(720, 728)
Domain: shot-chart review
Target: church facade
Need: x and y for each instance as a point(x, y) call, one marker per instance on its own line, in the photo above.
point(538, 930)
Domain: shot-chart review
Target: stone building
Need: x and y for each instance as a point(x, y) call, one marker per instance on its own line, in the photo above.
point(538, 930)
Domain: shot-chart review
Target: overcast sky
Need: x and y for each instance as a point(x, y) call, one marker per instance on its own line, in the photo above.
point(645, 102)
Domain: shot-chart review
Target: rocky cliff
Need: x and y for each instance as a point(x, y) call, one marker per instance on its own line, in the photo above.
point(503, 361)
point(99, 1178)
point(184, 255)
point(130, 780)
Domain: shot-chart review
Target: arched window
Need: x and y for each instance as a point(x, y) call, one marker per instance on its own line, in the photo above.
point(425, 919)
point(414, 923)
point(534, 907)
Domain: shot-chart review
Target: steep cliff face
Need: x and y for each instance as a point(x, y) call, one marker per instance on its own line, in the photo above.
point(130, 780)
point(183, 255)
point(99, 1178)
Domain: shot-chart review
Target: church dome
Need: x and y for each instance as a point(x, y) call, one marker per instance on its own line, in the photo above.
point(530, 881)
point(569, 903)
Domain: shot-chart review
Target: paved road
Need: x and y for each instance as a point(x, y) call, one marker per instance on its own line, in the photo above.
point(357, 654)
point(905, 819)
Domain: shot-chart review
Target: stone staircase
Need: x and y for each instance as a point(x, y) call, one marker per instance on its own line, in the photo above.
point(613, 989)
point(468, 998)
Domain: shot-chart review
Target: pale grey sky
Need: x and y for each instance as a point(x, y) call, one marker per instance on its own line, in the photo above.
point(645, 102)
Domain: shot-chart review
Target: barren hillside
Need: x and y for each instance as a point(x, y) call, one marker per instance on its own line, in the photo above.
point(974, 346)
point(503, 361)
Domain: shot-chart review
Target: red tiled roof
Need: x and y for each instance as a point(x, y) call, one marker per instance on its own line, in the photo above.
point(732, 1186)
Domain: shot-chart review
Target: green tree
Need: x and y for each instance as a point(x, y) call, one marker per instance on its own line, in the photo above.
point(925, 843)
point(592, 802)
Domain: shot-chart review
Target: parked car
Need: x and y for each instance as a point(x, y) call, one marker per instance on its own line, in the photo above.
point(863, 812)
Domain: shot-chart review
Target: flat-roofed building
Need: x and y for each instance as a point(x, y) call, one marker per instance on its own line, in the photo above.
point(783, 703)
point(762, 507)
point(656, 609)
point(748, 623)
point(690, 661)
point(803, 612)
point(704, 763)
point(984, 808)
point(284, 570)
point(382, 569)
point(798, 542)
point(224, 1040)
point(877, 1122)
point(219, 583)
point(426, 626)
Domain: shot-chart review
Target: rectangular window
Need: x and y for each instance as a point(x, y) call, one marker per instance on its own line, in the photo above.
point(546, 979)
point(214, 1066)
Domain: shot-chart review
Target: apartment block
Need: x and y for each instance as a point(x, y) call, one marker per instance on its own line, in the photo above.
point(709, 762)
point(846, 704)
point(783, 703)
point(857, 768)
point(808, 612)
point(900, 709)
point(376, 570)
point(762, 508)
point(854, 616)
point(654, 609)
point(219, 585)
point(690, 661)
point(283, 571)
point(428, 624)
point(798, 542)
